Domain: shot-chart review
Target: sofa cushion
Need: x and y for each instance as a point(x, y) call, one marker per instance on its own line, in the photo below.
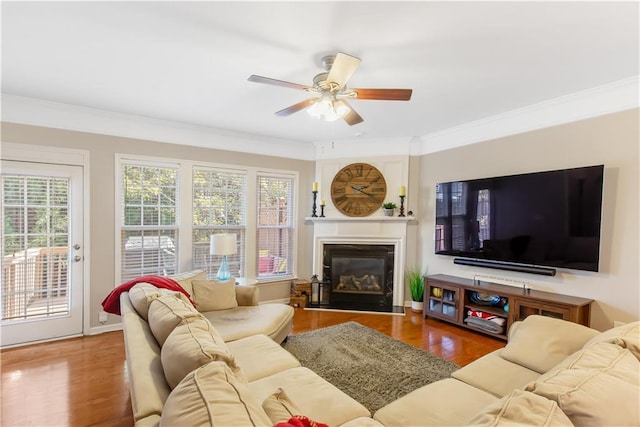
point(211, 295)
point(165, 313)
point(212, 395)
point(273, 320)
point(542, 342)
point(184, 279)
point(143, 293)
point(318, 399)
point(279, 407)
point(141, 296)
point(447, 402)
point(597, 386)
point(626, 336)
point(521, 408)
point(191, 344)
point(259, 356)
point(495, 375)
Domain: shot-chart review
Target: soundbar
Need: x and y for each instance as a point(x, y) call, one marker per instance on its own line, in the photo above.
point(543, 271)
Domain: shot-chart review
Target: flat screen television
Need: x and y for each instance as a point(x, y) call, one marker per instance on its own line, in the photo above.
point(549, 218)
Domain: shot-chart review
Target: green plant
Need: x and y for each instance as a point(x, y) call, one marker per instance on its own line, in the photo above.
point(389, 205)
point(416, 285)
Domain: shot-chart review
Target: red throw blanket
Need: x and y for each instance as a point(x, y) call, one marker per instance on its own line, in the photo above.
point(111, 303)
point(300, 421)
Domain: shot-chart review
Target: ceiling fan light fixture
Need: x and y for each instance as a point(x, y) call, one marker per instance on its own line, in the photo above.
point(328, 109)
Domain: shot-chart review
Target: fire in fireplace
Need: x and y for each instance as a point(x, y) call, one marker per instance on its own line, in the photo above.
point(359, 276)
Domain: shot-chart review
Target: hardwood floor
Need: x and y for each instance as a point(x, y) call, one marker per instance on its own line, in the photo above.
point(83, 381)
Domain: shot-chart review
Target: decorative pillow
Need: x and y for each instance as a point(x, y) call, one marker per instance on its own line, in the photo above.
point(626, 336)
point(542, 342)
point(598, 386)
point(521, 408)
point(165, 313)
point(212, 295)
point(212, 395)
point(184, 279)
point(141, 296)
point(279, 407)
point(192, 344)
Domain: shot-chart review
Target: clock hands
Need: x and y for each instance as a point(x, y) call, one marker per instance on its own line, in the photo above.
point(359, 189)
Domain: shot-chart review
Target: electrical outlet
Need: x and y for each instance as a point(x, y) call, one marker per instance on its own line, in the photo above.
point(617, 323)
point(102, 317)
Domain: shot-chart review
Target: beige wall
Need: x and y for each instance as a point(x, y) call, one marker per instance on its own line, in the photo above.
point(102, 149)
point(611, 140)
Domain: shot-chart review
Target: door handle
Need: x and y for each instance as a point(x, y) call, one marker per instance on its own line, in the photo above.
point(76, 246)
point(77, 258)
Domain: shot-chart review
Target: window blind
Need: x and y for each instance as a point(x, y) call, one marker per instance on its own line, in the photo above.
point(219, 206)
point(275, 200)
point(149, 231)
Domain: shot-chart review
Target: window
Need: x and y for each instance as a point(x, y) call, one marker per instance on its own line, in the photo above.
point(148, 220)
point(275, 225)
point(219, 206)
point(163, 205)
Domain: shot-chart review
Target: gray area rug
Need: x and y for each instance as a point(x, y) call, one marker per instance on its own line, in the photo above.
point(367, 365)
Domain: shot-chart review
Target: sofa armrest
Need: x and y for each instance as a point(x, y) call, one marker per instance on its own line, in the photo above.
point(247, 295)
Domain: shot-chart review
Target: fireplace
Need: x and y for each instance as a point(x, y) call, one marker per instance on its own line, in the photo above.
point(359, 276)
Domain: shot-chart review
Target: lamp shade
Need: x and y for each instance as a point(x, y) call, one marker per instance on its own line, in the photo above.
point(222, 244)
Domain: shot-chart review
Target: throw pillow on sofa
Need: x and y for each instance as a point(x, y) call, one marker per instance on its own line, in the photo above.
point(165, 313)
point(533, 338)
point(212, 295)
point(521, 408)
point(193, 343)
point(212, 395)
point(185, 279)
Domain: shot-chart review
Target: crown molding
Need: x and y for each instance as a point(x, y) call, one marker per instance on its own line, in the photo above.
point(606, 99)
point(598, 101)
point(37, 112)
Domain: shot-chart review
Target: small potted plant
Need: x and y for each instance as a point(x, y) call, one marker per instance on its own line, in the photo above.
point(388, 208)
point(416, 287)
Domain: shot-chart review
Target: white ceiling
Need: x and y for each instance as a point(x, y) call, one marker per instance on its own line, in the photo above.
point(188, 62)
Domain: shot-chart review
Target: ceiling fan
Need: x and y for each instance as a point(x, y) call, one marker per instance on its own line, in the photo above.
point(332, 92)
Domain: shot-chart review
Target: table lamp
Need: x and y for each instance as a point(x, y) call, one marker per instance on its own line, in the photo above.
point(223, 244)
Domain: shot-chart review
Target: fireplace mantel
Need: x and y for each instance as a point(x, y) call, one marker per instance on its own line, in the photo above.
point(372, 230)
point(361, 219)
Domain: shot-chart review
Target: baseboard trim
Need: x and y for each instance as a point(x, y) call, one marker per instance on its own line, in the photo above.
point(104, 328)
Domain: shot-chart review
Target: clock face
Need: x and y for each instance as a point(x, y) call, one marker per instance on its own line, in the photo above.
point(358, 189)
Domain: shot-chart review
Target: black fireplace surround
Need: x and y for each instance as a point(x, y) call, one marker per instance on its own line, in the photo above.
point(359, 276)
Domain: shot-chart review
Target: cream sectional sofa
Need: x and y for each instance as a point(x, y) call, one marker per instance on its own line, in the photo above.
point(186, 369)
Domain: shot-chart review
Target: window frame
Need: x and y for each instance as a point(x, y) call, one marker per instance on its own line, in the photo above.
point(184, 211)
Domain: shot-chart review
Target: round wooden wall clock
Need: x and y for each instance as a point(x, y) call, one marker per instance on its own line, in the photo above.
point(358, 189)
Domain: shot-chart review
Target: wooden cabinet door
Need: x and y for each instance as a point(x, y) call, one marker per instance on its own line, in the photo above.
point(524, 308)
point(442, 301)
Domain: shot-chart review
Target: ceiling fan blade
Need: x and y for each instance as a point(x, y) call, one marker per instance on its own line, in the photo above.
point(383, 94)
point(351, 117)
point(274, 82)
point(342, 69)
point(296, 107)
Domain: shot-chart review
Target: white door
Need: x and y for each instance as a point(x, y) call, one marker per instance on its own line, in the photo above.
point(41, 289)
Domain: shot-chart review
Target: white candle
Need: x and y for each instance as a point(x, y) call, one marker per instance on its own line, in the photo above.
point(315, 186)
point(322, 202)
point(403, 191)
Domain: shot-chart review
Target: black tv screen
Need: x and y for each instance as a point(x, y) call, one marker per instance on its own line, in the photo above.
point(547, 218)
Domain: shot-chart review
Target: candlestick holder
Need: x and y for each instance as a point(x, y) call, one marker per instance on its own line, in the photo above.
point(313, 209)
point(402, 205)
point(321, 211)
